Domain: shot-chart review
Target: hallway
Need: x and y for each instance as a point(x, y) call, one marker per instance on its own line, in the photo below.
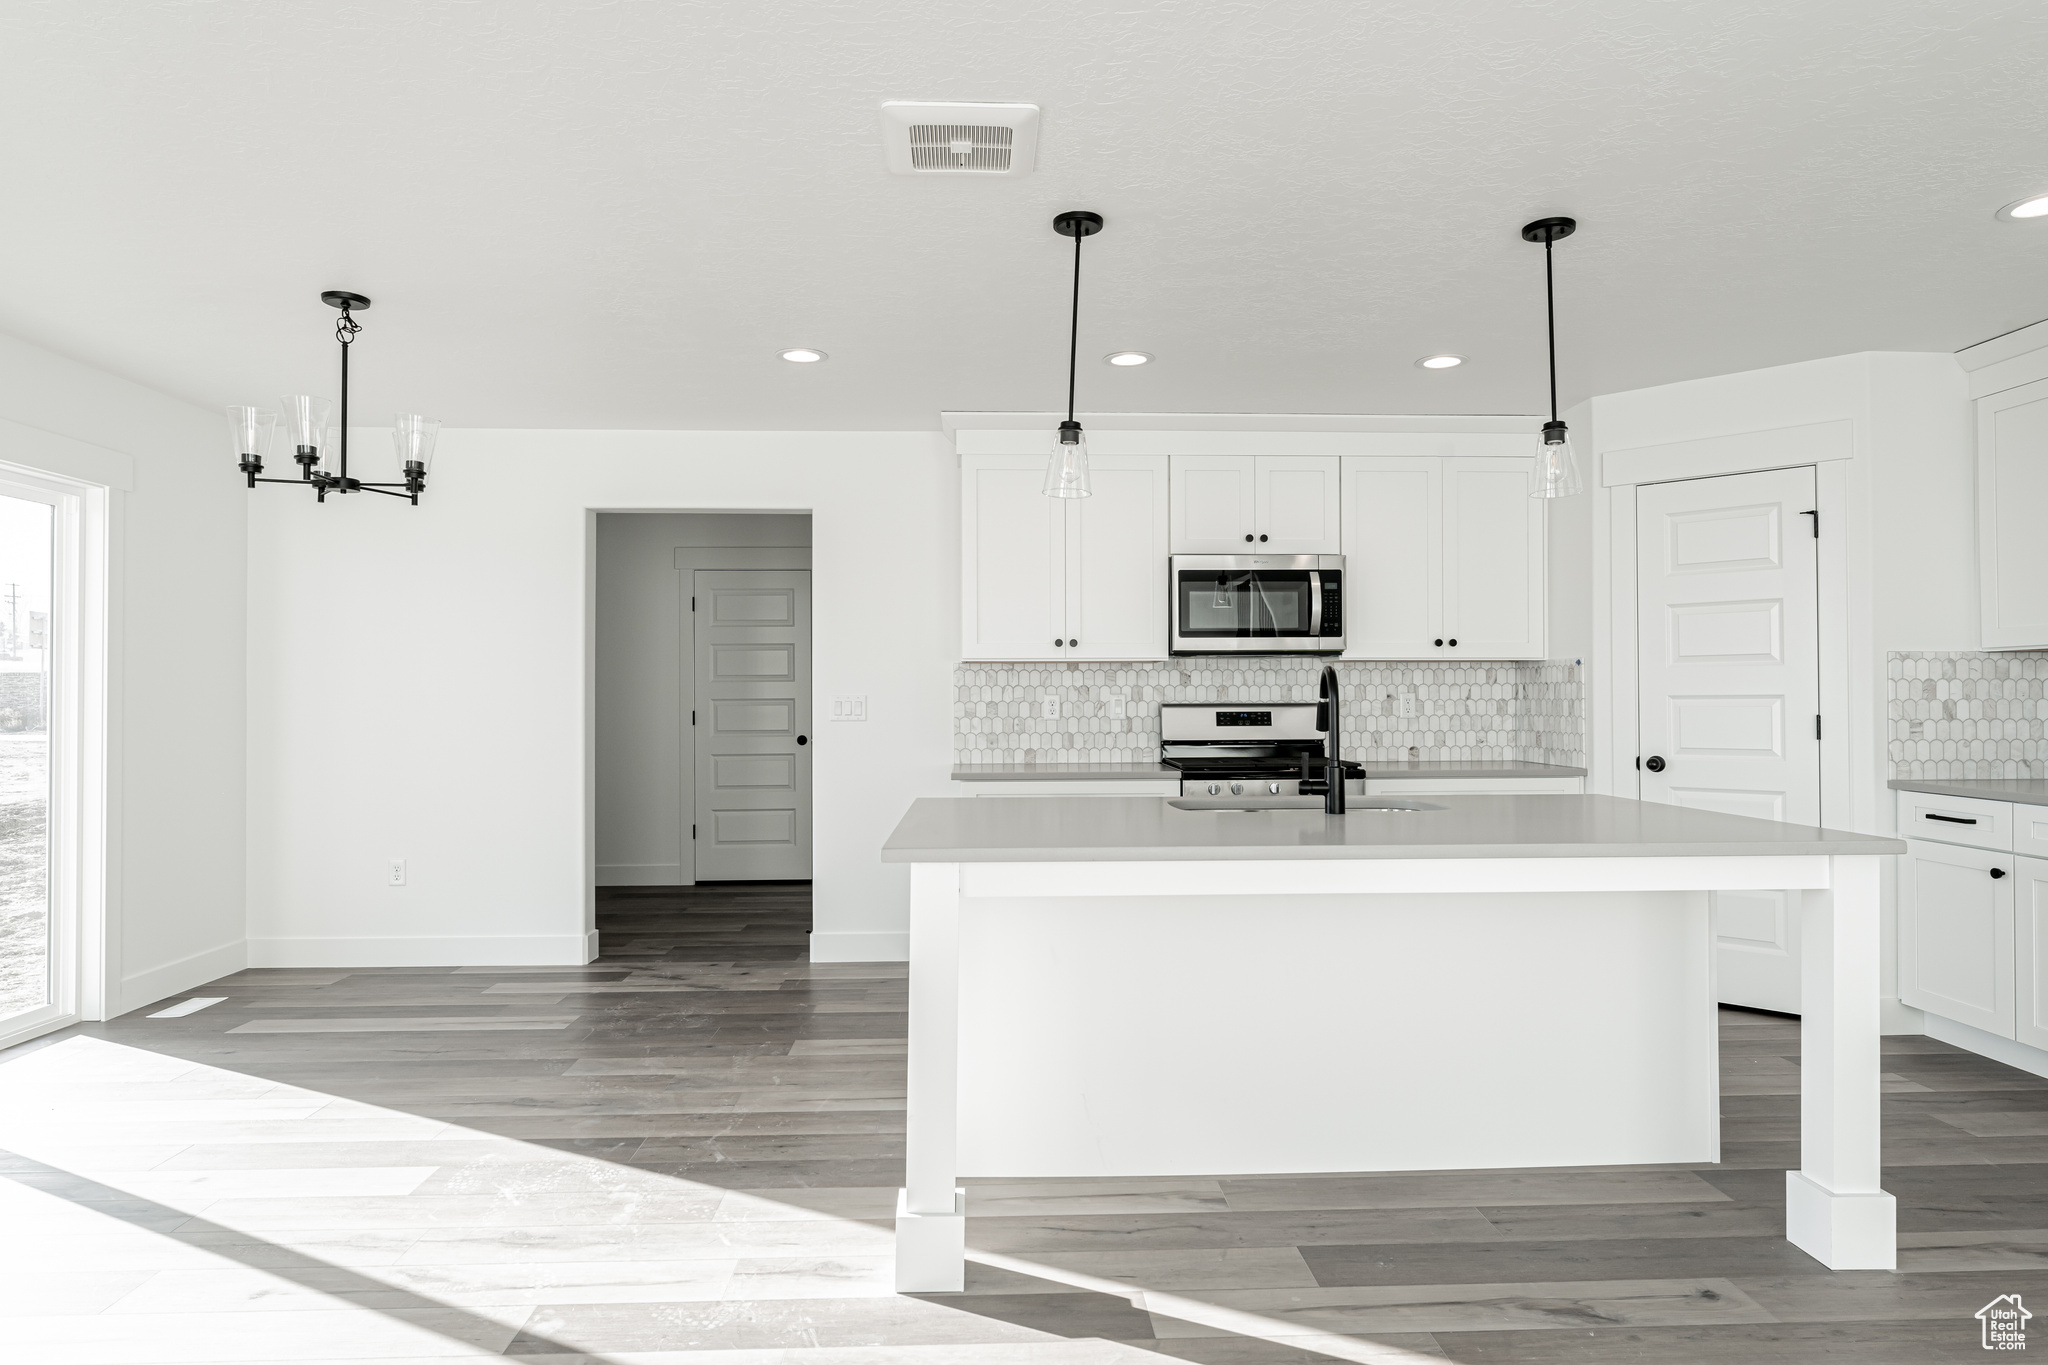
point(689, 1150)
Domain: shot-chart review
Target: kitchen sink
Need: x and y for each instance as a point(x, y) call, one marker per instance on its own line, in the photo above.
point(1352, 804)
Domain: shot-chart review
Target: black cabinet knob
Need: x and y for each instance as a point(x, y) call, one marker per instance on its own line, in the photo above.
point(1997, 872)
point(1072, 644)
point(1057, 643)
point(1439, 644)
point(1262, 540)
point(1654, 763)
point(1454, 644)
point(1247, 537)
point(803, 739)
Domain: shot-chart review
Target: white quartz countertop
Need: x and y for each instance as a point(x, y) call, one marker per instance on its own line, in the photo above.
point(1149, 829)
point(1115, 772)
point(2029, 791)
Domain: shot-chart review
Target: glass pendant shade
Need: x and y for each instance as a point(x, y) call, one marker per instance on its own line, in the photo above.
point(305, 420)
point(330, 453)
point(250, 432)
point(1557, 469)
point(412, 440)
point(1066, 474)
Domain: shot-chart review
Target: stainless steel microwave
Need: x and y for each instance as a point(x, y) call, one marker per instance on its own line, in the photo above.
point(1257, 604)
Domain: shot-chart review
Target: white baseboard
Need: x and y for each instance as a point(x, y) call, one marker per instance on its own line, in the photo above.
point(2031, 1059)
point(483, 950)
point(195, 969)
point(590, 946)
point(860, 947)
point(1895, 1017)
point(644, 874)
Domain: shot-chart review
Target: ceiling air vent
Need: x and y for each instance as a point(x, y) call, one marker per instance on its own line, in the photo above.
point(923, 138)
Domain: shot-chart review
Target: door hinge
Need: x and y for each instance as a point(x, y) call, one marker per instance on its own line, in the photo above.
point(693, 718)
point(1639, 762)
point(693, 604)
point(1816, 522)
point(693, 831)
point(1816, 727)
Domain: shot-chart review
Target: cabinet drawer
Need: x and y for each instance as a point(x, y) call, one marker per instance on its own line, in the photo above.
point(2029, 829)
point(1955, 820)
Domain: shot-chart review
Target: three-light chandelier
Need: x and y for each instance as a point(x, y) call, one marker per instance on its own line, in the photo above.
point(322, 450)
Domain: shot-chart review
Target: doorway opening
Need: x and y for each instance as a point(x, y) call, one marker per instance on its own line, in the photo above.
point(702, 659)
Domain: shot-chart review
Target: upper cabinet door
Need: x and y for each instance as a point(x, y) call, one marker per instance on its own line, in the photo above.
point(1013, 560)
point(1213, 505)
point(1295, 504)
point(2012, 509)
point(1493, 559)
point(1393, 557)
point(1116, 561)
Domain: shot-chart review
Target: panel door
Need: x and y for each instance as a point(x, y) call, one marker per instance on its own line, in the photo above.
point(1956, 934)
point(1295, 506)
point(1013, 588)
point(752, 647)
point(1493, 560)
point(1117, 561)
point(2030, 950)
point(1213, 505)
point(2012, 507)
point(1728, 681)
point(1393, 557)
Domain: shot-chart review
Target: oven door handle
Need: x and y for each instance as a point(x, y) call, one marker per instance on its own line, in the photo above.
point(1315, 604)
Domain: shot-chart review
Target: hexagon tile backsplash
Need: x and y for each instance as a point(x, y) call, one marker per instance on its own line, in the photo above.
point(1967, 715)
point(1109, 712)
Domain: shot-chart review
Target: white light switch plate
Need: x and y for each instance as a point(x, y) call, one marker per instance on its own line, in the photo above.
point(849, 708)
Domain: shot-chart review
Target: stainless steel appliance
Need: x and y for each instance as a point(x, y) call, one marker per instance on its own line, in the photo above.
point(1248, 749)
point(1257, 604)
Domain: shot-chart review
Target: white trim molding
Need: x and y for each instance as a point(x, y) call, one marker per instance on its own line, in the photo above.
point(848, 946)
point(482, 950)
point(1745, 452)
point(173, 978)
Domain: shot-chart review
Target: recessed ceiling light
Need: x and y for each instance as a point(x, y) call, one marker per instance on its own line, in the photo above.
point(804, 355)
point(1440, 362)
point(2033, 206)
point(1128, 358)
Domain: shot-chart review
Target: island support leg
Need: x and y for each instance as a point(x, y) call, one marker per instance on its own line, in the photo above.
point(931, 1211)
point(1836, 1209)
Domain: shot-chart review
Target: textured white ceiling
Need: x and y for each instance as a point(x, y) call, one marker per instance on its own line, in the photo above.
point(598, 214)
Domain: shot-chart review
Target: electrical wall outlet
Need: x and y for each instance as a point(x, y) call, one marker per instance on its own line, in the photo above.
point(1405, 707)
point(1049, 706)
point(849, 708)
point(397, 877)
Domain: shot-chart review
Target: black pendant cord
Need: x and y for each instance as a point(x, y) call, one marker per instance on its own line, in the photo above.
point(1550, 325)
point(1074, 328)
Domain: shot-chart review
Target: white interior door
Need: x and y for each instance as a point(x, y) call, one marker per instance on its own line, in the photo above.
point(1728, 681)
point(1393, 557)
point(1295, 504)
point(752, 642)
point(1213, 505)
point(1117, 561)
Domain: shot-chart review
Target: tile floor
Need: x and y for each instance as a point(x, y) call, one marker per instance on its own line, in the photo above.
point(688, 1151)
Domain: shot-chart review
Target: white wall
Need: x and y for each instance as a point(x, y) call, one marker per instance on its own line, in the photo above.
point(1901, 422)
point(644, 684)
point(437, 707)
point(176, 626)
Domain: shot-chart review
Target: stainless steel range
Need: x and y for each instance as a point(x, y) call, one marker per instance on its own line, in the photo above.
point(1248, 749)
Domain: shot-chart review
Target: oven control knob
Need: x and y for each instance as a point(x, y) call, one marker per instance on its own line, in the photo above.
point(1213, 789)
point(1273, 787)
point(1237, 789)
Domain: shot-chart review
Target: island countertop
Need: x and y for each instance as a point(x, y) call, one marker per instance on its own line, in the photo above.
point(1150, 829)
point(1373, 770)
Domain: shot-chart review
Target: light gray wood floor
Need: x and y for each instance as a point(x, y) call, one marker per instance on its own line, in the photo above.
point(689, 1151)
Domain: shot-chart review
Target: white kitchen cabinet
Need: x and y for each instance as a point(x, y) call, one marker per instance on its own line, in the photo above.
point(1443, 558)
point(1255, 504)
point(1063, 578)
point(2030, 950)
point(1956, 933)
point(2012, 507)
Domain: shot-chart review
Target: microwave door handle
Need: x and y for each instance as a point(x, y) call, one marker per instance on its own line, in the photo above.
point(1315, 605)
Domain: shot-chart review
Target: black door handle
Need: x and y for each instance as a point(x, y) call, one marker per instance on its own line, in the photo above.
point(1997, 872)
point(803, 739)
point(1654, 763)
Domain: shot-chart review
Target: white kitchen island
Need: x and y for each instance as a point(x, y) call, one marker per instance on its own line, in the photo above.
point(1114, 986)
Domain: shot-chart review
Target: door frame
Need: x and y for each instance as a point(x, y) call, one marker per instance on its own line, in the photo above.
point(1614, 718)
point(84, 945)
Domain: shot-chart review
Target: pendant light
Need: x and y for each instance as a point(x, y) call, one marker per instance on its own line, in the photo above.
point(1557, 469)
point(322, 450)
point(1066, 474)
